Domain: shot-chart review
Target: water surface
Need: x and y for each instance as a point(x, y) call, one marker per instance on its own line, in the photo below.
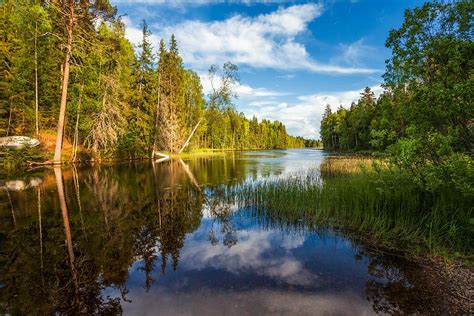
point(159, 238)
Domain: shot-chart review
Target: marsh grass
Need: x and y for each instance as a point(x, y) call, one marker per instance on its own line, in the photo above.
point(384, 206)
point(334, 166)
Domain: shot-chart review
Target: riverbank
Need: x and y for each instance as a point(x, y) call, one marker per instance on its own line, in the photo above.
point(14, 160)
point(372, 198)
point(382, 209)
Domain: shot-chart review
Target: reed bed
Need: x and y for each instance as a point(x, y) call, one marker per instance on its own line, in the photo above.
point(349, 165)
point(383, 206)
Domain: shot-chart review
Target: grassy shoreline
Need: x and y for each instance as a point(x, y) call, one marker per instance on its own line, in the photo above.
point(375, 203)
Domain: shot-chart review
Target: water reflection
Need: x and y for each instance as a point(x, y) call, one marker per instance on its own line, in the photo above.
point(148, 238)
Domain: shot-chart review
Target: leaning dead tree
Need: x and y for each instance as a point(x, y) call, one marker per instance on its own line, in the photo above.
point(221, 94)
point(186, 143)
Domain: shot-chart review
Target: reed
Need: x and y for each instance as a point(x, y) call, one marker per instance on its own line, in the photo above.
point(384, 206)
point(348, 165)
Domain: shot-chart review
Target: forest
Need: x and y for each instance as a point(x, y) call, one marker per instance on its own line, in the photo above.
point(69, 76)
point(378, 220)
point(424, 119)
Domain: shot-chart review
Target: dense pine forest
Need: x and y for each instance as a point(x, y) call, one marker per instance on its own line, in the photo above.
point(424, 119)
point(69, 75)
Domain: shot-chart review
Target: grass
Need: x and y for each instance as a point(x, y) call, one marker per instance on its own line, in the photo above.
point(347, 165)
point(201, 152)
point(381, 205)
point(207, 152)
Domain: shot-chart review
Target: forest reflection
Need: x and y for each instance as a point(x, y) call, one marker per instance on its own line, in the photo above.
point(80, 231)
point(108, 220)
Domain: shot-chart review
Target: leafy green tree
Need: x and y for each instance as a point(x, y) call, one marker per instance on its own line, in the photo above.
point(424, 117)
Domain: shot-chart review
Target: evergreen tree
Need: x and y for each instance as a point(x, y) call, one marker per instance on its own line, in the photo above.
point(114, 101)
point(139, 137)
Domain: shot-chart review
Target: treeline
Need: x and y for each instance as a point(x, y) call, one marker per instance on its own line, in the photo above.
point(67, 66)
point(425, 116)
point(351, 129)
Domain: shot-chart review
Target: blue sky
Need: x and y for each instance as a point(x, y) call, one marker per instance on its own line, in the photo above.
point(294, 57)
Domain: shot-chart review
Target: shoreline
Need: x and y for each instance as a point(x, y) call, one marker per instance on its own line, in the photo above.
point(201, 152)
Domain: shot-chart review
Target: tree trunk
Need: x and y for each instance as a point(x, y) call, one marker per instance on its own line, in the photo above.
point(189, 138)
point(155, 141)
point(76, 129)
point(9, 120)
point(36, 81)
point(62, 108)
point(67, 231)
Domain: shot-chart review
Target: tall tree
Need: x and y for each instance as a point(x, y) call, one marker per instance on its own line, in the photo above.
point(139, 136)
point(70, 17)
point(172, 99)
point(87, 12)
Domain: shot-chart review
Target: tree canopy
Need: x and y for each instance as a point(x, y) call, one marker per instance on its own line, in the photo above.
point(120, 100)
point(425, 117)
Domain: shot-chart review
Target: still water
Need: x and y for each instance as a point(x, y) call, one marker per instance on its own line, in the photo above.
point(158, 239)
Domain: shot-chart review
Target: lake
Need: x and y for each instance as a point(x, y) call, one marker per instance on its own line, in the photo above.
point(161, 238)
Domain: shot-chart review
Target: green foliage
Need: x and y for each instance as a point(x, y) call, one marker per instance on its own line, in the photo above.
point(122, 101)
point(13, 159)
point(350, 129)
point(424, 118)
point(433, 165)
point(312, 143)
point(225, 128)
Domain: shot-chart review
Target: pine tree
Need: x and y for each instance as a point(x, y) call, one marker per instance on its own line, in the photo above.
point(143, 100)
point(172, 115)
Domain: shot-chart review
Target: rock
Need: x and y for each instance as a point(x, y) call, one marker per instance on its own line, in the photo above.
point(35, 182)
point(20, 185)
point(15, 185)
point(17, 142)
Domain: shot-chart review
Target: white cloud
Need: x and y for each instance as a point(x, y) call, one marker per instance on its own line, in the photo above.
point(244, 91)
point(265, 41)
point(252, 252)
point(304, 116)
point(355, 53)
point(262, 103)
point(288, 76)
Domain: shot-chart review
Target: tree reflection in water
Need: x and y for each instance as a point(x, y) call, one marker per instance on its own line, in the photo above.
point(107, 221)
point(65, 244)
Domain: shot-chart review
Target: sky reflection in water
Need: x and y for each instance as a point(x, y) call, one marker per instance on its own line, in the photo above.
point(265, 271)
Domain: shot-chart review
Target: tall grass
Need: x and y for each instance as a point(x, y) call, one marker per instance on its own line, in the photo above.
point(347, 165)
point(383, 205)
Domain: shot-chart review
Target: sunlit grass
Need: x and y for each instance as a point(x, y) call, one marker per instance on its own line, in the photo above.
point(347, 165)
